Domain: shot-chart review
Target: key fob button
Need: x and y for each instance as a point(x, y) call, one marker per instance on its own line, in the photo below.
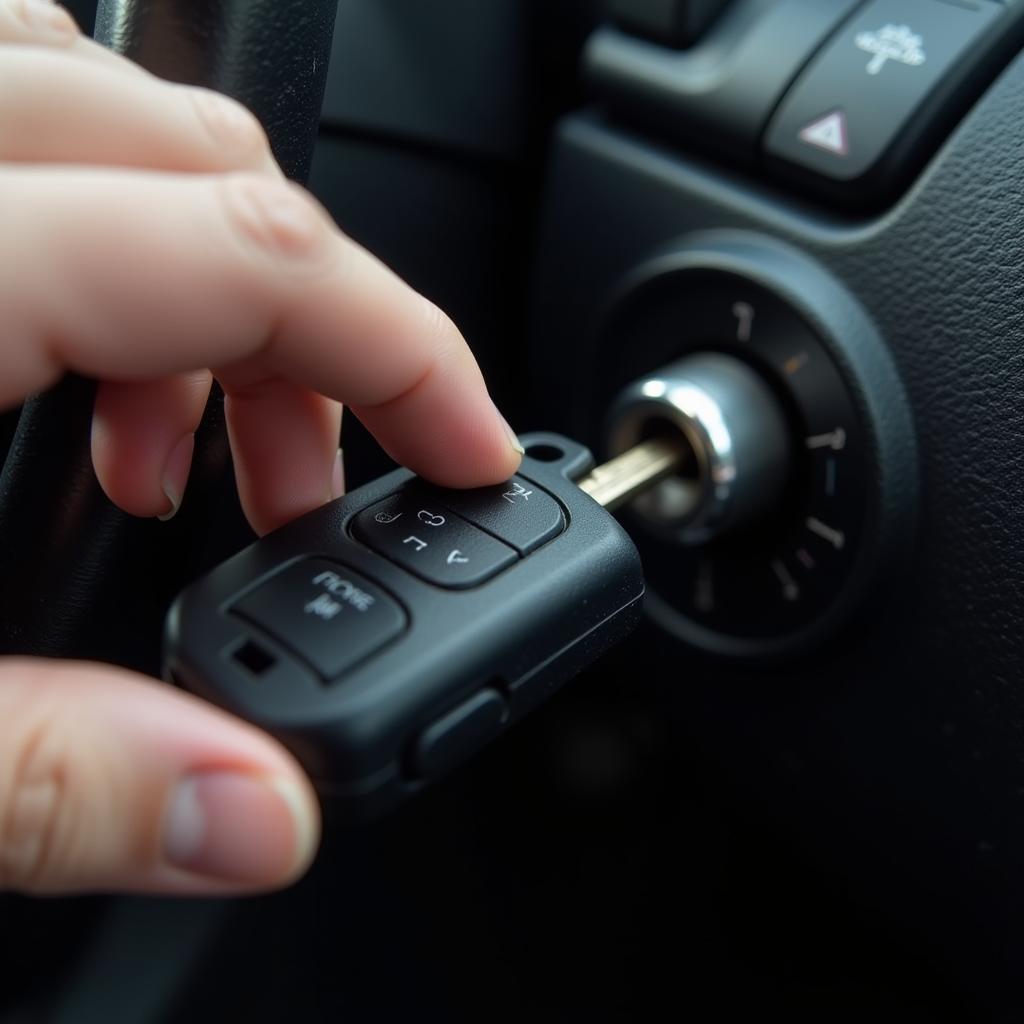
point(461, 732)
point(323, 612)
point(427, 538)
point(517, 512)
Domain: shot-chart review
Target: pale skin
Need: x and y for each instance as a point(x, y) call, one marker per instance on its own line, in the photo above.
point(149, 240)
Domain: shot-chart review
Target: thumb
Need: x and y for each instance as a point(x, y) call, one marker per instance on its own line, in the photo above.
point(112, 781)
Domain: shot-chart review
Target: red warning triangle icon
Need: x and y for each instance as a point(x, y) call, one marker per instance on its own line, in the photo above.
point(828, 133)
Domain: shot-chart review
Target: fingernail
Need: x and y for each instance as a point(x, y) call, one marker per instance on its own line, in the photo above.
point(46, 16)
point(176, 471)
point(240, 828)
point(338, 476)
point(512, 436)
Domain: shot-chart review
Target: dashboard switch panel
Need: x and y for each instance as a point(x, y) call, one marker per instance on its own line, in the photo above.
point(720, 93)
point(882, 90)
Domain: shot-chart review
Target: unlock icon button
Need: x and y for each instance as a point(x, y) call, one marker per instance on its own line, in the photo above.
point(441, 548)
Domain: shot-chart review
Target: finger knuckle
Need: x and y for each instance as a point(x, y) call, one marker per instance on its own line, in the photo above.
point(41, 19)
point(36, 805)
point(19, 11)
point(233, 126)
point(278, 216)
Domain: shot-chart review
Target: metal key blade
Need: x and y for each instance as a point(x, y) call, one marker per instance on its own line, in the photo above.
point(621, 479)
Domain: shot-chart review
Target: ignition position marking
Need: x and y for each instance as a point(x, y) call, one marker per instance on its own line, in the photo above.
point(794, 364)
point(744, 313)
point(834, 439)
point(835, 537)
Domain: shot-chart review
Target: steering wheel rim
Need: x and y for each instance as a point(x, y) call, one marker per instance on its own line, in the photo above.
point(81, 578)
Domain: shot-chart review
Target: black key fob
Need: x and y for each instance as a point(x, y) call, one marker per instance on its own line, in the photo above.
point(387, 636)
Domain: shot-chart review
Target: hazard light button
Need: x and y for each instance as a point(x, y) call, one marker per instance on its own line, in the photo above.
point(828, 133)
point(874, 97)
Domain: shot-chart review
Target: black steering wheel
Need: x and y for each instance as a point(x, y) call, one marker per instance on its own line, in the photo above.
point(82, 579)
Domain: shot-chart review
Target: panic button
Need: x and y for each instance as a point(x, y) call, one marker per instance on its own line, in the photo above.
point(325, 613)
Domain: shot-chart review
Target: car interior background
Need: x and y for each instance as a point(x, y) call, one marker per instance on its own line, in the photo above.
point(798, 787)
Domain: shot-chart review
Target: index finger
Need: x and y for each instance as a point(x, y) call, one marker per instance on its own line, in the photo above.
point(132, 276)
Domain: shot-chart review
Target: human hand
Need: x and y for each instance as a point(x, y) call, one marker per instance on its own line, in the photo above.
point(150, 241)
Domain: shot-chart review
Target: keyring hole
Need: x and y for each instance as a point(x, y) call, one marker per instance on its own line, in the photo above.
point(545, 452)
